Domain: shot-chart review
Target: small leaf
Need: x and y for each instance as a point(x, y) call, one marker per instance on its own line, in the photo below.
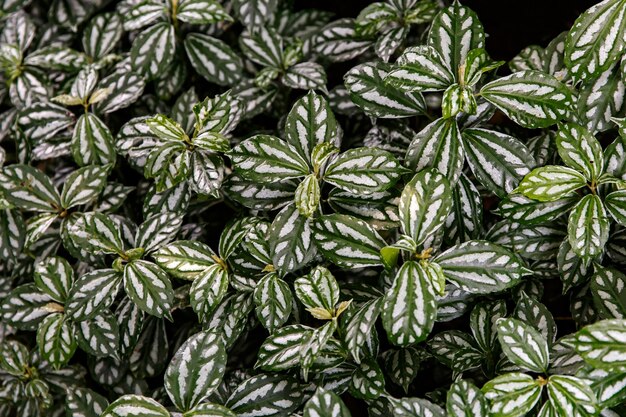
point(531, 99)
point(92, 142)
point(54, 276)
point(135, 406)
point(269, 394)
point(196, 369)
point(512, 395)
point(83, 185)
point(410, 306)
point(318, 289)
point(184, 259)
point(588, 227)
point(424, 205)
point(551, 183)
point(571, 396)
point(153, 50)
point(602, 344)
point(149, 287)
point(273, 300)
point(580, 150)
point(325, 404)
point(55, 338)
point(465, 400)
point(523, 345)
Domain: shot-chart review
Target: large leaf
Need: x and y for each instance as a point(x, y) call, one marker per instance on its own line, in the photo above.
point(439, 146)
point(83, 185)
point(551, 183)
point(291, 240)
point(135, 406)
point(498, 161)
point(92, 142)
point(421, 68)
point(92, 292)
point(267, 394)
point(149, 287)
point(267, 159)
point(363, 170)
point(213, 59)
point(424, 204)
point(196, 369)
point(602, 344)
point(531, 99)
point(580, 150)
point(281, 350)
point(481, 267)
point(153, 50)
point(523, 345)
point(55, 338)
point(274, 301)
point(597, 39)
point(184, 259)
point(512, 395)
point(28, 188)
point(318, 289)
point(571, 396)
point(454, 32)
point(588, 227)
point(465, 400)
point(325, 404)
point(347, 241)
point(410, 306)
point(368, 90)
point(54, 276)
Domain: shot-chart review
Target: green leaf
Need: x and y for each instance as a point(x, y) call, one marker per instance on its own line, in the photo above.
point(208, 289)
point(199, 12)
point(439, 146)
point(124, 89)
point(166, 128)
point(91, 293)
point(83, 402)
point(420, 68)
point(363, 170)
point(15, 357)
point(307, 196)
point(409, 407)
point(483, 320)
point(274, 301)
point(519, 208)
point(600, 99)
point(424, 204)
point(532, 312)
point(25, 306)
point(512, 395)
point(368, 380)
point(213, 59)
point(310, 123)
point(602, 344)
point(267, 159)
point(305, 75)
point(481, 267)
point(498, 161)
point(580, 150)
point(12, 234)
point(153, 50)
point(454, 32)
point(291, 240)
point(325, 404)
point(92, 142)
point(595, 41)
point(54, 276)
point(465, 400)
point(281, 350)
point(28, 188)
point(531, 99)
point(185, 259)
point(101, 34)
point(55, 338)
point(157, 231)
point(267, 394)
point(465, 221)
point(368, 90)
point(609, 292)
point(135, 406)
point(588, 227)
point(410, 306)
point(209, 410)
point(571, 396)
point(196, 369)
point(83, 185)
point(523, 345)
point(338, 41)
point(263, 46)
point(361, 325)
point(41, 121)
point(551, 183)
point(149, 287)
point(314, 345)
point(347, 241)
point(615, 204)
point(318, 289)
point(99, 336)
point(456, 99)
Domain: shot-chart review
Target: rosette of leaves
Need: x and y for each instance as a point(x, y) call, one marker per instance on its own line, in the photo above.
point(582, 186)
point(157, 49)
point(266, 47)
point(390, 22)
point(30, 384)
point(182, 156)
point(291, 174)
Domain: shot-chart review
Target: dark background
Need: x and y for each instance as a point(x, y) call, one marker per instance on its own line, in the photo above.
point(511, 25)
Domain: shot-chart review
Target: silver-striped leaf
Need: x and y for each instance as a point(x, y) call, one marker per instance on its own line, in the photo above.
point(185, 259)
point(274, 301)
point(410, 306)
point(531, 99)
point(196, 369)
point(318, 289)
point(54, 276)
point(56, 341)
point(347, 241)
point(481, 267)
point(149, 287)
point(512, 394)
point(130, 405)
point(550, 183)
point(83, 185)
point(92, 141)
point(325, 403)
point(213, 59)
point(424, 204)
point(602, 344)
point(421, 68)
point(523, 345)
point(580, 150)
point(588, 227)
point(29, 189)
point(464, 399)
point(153, 50)
point(608, 286)
point(291, 240)
point(268, 395)
point(571, 396)
point(91, 293)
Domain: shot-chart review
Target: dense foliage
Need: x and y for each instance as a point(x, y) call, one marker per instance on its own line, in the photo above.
point(246, 208)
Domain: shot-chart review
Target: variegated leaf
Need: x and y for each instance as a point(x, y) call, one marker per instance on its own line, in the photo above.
point(512, 394)
point(421, 68)
point(149, 287)
point(92, 292)
point(602, 344)
point(291, 240)
point(274, 301)
point(523, 345)
point(153, 50)
point(54, 276)
point(580, 150)
point(588, 227)
point(213, 59)
point(55, 338)
point(184, 259)
point(92, 141)
point(551, 183)
point(135, 406)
